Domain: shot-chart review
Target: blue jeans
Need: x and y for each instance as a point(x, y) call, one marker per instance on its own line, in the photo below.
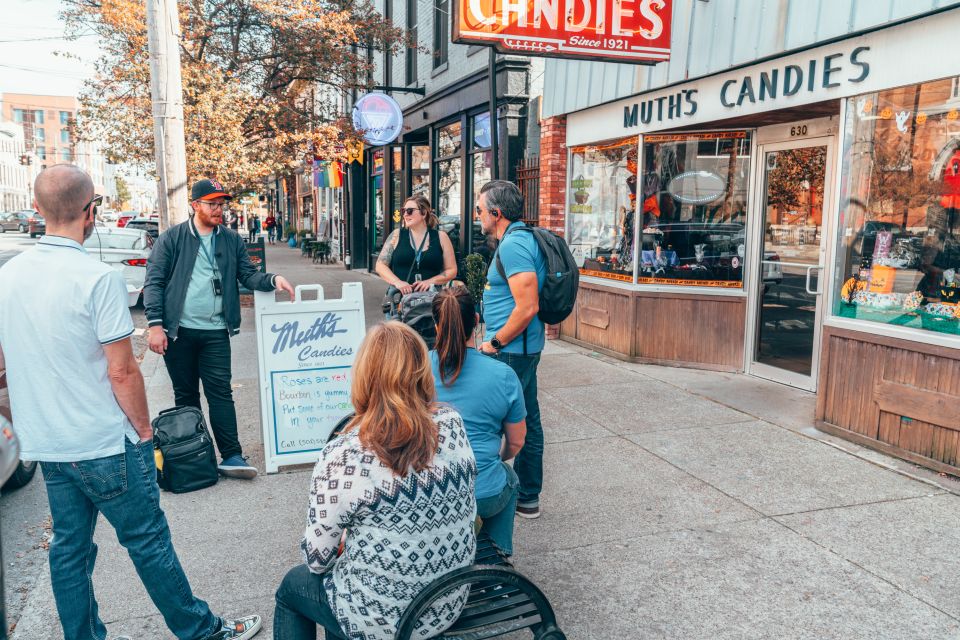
point(529, 462)
point(124, 489)
point(301, 605)
point(497, 512)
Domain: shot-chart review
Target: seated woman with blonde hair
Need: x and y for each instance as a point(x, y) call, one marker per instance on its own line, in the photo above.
point(400, 482)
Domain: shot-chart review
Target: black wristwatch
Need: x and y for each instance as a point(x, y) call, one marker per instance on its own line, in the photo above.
point(496, 344)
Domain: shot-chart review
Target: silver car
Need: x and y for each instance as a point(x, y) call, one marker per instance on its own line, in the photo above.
point(127, 251)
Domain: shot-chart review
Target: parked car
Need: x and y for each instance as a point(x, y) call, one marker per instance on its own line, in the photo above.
point(15, 221)
point(25, 469)
point(124, 217)
point(127, 251)
point(149, 225)
point(37, 226)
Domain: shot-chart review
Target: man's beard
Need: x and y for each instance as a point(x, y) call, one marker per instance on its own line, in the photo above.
point(88, 230)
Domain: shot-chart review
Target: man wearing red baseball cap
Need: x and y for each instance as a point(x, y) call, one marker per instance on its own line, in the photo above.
point(192, 302)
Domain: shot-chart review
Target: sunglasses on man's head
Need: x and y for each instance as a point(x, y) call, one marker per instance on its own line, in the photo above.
point(409, 211)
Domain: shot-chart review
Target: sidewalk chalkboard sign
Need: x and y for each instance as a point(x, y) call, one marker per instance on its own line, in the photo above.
point(306, 350)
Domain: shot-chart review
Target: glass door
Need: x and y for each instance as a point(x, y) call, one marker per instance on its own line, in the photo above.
point(786, 306)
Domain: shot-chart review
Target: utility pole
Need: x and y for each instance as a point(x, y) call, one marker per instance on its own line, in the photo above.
point(166, 90)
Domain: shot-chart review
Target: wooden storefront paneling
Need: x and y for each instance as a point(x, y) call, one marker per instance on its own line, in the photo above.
point(705, 331)
point(605, 318)
point(894, 395)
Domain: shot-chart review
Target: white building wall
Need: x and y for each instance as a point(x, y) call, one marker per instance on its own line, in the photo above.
point(14, 176)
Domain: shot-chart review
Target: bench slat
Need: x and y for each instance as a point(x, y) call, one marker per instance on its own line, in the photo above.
point(505, 608)
point(493, 631)
point(489, 592)
point(516, 613)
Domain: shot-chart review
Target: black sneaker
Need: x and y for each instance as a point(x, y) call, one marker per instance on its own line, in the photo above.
point(237, 629)
point(530, 513)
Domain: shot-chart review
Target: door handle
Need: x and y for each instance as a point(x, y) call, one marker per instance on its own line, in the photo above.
point(810, 270)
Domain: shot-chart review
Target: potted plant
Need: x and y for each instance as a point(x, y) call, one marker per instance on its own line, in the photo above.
point(291, 236)
point(476, 277)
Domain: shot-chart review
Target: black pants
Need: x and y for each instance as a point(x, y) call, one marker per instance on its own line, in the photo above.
point(200, 354)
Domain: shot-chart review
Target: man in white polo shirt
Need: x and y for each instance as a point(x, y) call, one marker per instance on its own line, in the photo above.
point(79, 407)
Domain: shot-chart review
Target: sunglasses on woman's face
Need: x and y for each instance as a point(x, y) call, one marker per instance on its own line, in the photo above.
point(409, 211)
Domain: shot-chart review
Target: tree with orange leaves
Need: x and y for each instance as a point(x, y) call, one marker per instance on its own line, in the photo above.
point(261, 80)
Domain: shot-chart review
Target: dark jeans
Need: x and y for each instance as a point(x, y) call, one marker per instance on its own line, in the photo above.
point(529, 462)
point(301, 606)
point(200, 354)
point(124, 489)
point(497, 512)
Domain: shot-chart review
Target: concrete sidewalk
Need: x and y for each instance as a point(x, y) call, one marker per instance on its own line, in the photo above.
point(677, 504)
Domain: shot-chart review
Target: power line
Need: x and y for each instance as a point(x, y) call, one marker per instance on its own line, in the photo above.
point(82, 35)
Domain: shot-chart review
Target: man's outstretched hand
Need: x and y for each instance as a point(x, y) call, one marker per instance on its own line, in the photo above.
point(283, 284)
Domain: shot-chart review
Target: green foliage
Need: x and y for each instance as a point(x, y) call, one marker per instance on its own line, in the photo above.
point(123, 192)
point(476, 275)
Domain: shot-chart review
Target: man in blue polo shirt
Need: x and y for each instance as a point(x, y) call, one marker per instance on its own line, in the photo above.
point(80, 409)
point(514, 334)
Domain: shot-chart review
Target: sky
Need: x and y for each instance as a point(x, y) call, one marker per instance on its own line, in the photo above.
point(31, 36)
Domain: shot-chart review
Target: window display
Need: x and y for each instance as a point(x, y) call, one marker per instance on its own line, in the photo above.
point(693, 208)
point(899, 230)
point(601, 202)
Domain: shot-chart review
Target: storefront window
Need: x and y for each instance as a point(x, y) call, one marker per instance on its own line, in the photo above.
point(693, 209)
point(420, 171)
point(601, 202)
point(448, 140)
point(898, 252)
point(480, 174)
point(449, 191)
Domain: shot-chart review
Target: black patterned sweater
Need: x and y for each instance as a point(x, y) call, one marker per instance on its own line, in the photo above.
point(403, 532)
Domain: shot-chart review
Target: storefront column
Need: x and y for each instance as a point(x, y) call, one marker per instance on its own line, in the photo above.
point(553, 173)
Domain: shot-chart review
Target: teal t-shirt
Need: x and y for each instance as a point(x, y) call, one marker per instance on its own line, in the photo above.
point(519, 253)
point(201, 308)
point(486, 394)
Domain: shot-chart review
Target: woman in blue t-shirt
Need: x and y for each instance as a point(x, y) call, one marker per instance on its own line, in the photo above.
point(488, 396)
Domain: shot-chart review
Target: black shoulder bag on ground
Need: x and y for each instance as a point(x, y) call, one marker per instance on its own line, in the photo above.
point(189, 460)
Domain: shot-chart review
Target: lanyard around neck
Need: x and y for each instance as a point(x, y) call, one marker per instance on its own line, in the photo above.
point(213, 249)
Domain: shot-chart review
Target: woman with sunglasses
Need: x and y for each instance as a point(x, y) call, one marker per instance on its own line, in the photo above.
point(417, 256)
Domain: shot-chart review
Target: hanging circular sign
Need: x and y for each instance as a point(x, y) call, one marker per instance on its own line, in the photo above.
point(379, 118)
point(697, 187)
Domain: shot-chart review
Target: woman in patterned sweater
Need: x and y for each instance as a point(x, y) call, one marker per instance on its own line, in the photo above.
point(400, 483)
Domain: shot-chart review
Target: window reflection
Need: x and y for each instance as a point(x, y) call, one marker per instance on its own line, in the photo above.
point(693, 207)
point(600, 208)
point(899, 230)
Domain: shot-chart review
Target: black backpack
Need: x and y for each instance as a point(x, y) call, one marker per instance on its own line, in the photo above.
point(559, 292)
point(189, 461)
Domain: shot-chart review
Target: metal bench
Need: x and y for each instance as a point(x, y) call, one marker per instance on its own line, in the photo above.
point(501, 600)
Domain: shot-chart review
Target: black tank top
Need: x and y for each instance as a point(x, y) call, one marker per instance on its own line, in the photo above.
point(431, 259)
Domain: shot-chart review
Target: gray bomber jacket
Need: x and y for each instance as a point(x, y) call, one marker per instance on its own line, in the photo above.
point(171, 265)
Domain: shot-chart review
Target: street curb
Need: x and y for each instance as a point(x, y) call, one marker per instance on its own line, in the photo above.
point(38, 619)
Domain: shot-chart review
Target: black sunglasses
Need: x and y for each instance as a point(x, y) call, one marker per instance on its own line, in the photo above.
point(409, 211)
point(96, 201)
